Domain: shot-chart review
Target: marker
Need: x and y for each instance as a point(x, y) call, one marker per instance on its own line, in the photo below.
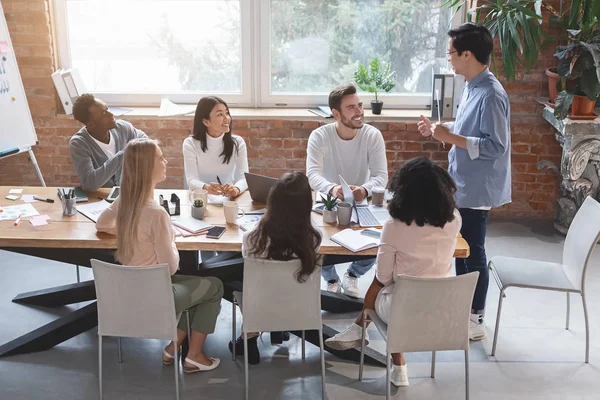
point(9, 152)
point(218, 180)
point(47, 200)
point(17, 221)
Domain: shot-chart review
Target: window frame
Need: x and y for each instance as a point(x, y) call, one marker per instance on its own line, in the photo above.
point(256, 73)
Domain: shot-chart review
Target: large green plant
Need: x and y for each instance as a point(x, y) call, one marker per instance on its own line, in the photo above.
point(518, 26)
point(579, 65)
point(375, 78)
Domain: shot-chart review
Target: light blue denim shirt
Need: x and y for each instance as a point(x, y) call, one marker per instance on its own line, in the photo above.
point(482, 172)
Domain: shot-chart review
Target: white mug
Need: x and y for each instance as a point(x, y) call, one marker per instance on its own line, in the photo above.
point(232, 210)
point(199, 194)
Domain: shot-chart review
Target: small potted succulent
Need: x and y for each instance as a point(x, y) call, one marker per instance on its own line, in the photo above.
point(198, 209)
point(330, 211)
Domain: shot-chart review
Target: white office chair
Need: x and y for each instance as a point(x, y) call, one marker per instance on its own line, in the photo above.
point(135, 302)
point(273, 300)
point(428, 314)
point(568, 276)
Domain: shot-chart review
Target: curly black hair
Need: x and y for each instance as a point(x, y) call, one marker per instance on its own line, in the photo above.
point(423, 193)
point(81, 107)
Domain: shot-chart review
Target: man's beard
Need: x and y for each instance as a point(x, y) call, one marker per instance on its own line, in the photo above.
point(348, 123)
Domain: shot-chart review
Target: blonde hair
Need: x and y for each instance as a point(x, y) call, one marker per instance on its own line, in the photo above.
point(136, 189)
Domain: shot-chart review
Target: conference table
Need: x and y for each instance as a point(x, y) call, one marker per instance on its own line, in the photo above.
point(74, 239)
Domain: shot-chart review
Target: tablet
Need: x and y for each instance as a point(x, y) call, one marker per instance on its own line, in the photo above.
point(114, 193)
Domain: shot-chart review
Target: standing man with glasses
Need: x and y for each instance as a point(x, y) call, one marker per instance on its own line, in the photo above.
point(479, 160)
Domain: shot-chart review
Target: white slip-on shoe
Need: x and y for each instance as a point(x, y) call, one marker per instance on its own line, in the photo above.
point(477, 330)
point(200, 367)
point(399, 375)
point(348, 339)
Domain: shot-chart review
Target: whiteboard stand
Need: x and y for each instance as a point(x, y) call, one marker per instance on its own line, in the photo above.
point(33, 161)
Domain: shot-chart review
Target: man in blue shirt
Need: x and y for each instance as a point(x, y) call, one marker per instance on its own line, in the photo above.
point(479, 161)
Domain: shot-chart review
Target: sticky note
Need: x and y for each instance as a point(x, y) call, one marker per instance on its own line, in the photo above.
point(15, 191)
point(28, 198)
point(11, 197)
point(37, 221)
point(3, 46)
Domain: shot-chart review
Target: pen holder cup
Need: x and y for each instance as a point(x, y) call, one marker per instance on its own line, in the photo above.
point(69, 206)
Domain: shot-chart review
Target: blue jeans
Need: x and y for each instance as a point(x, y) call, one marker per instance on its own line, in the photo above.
point(357, 268)
point(473, 230)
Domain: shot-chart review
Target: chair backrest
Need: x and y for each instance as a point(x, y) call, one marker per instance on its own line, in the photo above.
point(582, 236)
point(135, 301)
point(431, 313)
point(273, 300)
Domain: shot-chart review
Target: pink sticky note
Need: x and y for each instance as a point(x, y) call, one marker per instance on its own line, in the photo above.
point(38, 221)
point(3, 47)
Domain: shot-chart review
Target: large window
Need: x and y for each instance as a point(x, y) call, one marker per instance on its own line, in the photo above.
point(250, 52)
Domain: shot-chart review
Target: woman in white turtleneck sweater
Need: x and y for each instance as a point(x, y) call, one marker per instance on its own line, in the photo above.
point(212, 153)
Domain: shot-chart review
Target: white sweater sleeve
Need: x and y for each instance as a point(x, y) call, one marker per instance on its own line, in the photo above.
point(377, 163)
point(241, 166)
point(190, 157)
point(314, 164)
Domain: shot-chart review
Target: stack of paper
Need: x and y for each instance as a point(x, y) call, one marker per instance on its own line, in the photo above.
point(189, 224)
point(354, 240)
point(93, 210)
point(169, 109)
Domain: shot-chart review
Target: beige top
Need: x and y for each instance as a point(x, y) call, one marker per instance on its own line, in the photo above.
point(156, 236)
point(422, 251)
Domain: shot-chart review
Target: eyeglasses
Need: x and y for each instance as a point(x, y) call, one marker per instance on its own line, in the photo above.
point(449, 53)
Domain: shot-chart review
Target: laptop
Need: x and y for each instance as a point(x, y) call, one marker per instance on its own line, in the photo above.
point(259, 186)
point(364, 214)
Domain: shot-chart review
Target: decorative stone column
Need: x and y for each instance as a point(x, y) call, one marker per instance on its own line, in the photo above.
point(580, 165)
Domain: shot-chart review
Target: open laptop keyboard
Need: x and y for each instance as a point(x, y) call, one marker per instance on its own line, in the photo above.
point(366, 217)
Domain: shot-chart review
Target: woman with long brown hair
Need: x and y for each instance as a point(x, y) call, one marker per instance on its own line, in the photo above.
point(284, 233)
point(145, 236)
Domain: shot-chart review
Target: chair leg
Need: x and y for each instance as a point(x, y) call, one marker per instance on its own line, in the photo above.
point(362, 349)
point(587, 328)
point(323, 394)
point(433, 364)
point(568, 311)
point(188, 325)
point(497, 322)
point(233, 327)
point(303, 346)
point(120, 350)
point(100, 365)
point(77, 271)
point(467, 374)
point(176, 363)
point(246, 361)
point(388, 387)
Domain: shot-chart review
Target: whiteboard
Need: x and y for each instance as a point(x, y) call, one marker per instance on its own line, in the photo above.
point(16, 125)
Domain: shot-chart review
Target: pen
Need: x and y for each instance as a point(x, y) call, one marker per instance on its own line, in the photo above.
point(18, 220)
point(100, 198)
point(43, 199)
point(218, 180)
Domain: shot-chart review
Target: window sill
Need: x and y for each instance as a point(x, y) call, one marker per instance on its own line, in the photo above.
point(388, 115)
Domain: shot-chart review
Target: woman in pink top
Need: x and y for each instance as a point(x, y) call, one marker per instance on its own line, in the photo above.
point(145, 236)
point(418, 240)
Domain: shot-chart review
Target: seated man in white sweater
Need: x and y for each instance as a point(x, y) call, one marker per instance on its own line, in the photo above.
point(354, 150)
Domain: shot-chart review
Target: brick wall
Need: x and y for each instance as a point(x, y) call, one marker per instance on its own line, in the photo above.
point(274, 146)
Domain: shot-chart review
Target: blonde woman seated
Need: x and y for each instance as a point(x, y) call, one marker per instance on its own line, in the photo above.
point(418, 240)
point(145, 236)
point(215, 159)
point(284, 233)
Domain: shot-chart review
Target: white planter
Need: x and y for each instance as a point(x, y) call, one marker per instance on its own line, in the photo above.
point(198, 212)
point(330, 217)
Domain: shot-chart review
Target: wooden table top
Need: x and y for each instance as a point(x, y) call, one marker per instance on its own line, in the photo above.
point(77, 231)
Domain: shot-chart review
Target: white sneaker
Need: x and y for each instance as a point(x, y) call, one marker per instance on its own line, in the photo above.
point(350, 285)
point(334, 287)
point(399, 375)
point(477, 329)
point(348, 339)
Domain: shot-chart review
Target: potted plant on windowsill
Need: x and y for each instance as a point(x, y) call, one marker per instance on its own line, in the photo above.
point(374, 78)
point(579, 71)
point(198, 209)
point(330, 211)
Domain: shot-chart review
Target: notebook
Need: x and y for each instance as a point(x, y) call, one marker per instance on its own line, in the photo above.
point(190, 224)
point(354, 240)
point(79, 193)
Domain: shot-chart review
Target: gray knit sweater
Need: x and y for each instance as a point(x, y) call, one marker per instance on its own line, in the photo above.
point(93, 167)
